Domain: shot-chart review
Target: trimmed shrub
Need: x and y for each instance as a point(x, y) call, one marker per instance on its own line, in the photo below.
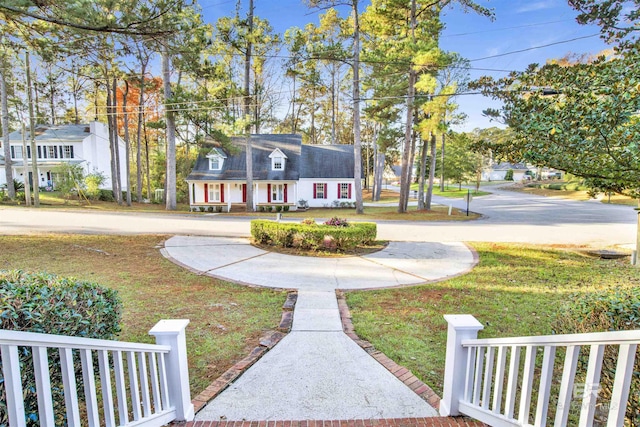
point(49, 304)
point(285, 208)
point(509, 175)
point(313, 236)
point(605, 311)
point(278, 208)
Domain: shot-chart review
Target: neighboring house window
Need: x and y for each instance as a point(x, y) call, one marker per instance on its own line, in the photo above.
point(67, 151)
point(214, 193)
point(16, 152)
point(215, 163)
point(278, 164)
point(319, 191)
point(52, 152)
point(344, 191)
point(277, 192)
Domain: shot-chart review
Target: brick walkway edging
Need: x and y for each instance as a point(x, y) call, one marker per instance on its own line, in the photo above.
point(388, 422)
point(267, 342)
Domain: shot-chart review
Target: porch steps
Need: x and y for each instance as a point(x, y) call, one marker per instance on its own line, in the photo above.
point(388, 422)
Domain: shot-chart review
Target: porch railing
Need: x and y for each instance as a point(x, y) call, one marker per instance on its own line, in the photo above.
point(134, 385)
point(499, 381)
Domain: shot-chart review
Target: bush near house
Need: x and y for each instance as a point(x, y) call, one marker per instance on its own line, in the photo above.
point(50, 304)
point(605, 311)
point(313, 236)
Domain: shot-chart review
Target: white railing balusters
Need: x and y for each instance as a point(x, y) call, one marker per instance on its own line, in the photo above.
point(107, 392)
point(159, 390)
point(527, 384)
point(488, 378)
point(477, 384)
point(155, 384)
point(620, 393)
point(144, 384)
point(566, 385)
point(591, 385)
point(90, 394)
point(13, 385)
point(121, 388)
point(43, 386)
point(70, 387)
point(499, 381)
point(546, 377)
point(476, 375)
point(133, 385)
point(512, 382)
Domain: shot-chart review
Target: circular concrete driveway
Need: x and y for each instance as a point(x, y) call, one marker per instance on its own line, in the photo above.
point(399, 264)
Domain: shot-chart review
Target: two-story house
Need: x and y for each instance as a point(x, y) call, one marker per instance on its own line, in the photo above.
point(284, 172)
point(84, 144)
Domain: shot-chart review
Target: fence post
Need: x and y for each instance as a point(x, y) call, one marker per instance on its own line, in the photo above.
point(171, 332)
point(461, 327)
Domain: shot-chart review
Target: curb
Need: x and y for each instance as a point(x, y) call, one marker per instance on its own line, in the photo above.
point(266, 343)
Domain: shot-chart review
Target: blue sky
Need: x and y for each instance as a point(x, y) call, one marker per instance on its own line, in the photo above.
point(518, 24)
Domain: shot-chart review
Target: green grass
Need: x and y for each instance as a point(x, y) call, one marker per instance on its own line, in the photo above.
point(226, 319)
point(452, 191)
point(514, 291)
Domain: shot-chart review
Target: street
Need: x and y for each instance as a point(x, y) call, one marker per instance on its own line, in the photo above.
point(507, 217)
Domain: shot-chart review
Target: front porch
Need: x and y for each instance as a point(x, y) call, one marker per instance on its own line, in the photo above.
point(268, 196)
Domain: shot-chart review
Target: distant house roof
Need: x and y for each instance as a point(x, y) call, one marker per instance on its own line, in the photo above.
point(54, 133)
point(507, 166)
point(302, 161)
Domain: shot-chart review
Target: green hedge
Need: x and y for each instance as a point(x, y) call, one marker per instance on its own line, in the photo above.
point(605, 311)
point(313, 236)
point(49, 304)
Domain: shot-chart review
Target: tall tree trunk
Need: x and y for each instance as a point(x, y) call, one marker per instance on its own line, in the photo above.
point(432, 170)
point(170, 189)
point(4, 101)
point(139, 139)
point(381, 162)
point(25, 167)
point(247, 113)
point(127, 143)
point(333, 102)
point(147, 164)
point(116, 141)
point(110, 126)
point(405, 178)
point(423, 168)
point(357, 145)
point(442, 166)
point(294, 117)
point(32, 137)
point(313, 116)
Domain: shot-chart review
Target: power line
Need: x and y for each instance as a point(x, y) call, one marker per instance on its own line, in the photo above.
point(506, 28)
point(534, 47)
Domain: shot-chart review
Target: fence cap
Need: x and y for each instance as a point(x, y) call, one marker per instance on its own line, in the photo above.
point(463, 322)
point(169, 327)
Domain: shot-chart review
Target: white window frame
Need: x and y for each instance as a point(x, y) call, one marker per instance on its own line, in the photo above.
point(277, 190)
point(52, 151)
point(214, 193)
point(323, 192)
point(215, 159)
point(66, 152)
point(17, 151)
point(344, 190)
point(277, 163)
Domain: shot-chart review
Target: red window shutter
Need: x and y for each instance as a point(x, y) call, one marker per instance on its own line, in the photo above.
point(269, 193)
point(244, 193)
point(349, 190)
point(315, 190)
point(338, 191)
point(222, 193)
point(206, 193)
point(326, 191)
point(285, 193)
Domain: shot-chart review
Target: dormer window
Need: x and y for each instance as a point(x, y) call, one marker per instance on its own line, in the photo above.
point(278, 159)
point(216, 159)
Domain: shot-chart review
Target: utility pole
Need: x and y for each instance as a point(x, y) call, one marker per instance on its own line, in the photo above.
point(32, 136)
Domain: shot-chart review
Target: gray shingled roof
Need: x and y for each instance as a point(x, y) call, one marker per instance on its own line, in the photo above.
point(507, 166)
point(54, 133)
point(303, 161)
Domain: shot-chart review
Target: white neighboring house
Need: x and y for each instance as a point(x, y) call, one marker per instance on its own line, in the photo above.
point(498, 171)
point(284, 172)
point(84, 144)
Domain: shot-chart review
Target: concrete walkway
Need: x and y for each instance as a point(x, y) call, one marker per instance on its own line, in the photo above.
point(317, 372)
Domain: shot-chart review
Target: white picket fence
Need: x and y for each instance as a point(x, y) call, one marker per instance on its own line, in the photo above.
point(489, 380)
point(135, 384)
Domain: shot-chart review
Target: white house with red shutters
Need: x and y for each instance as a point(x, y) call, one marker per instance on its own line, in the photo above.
point(285, 173)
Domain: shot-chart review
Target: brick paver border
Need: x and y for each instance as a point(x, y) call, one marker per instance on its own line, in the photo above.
point(388, 422)
point(266, 343)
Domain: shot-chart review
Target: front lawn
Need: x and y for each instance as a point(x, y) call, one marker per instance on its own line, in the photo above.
point(514, 291)
point(226, 319)
point(453, 192)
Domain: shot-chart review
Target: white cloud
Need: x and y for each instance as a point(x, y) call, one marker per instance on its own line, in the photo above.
point(535, 6)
